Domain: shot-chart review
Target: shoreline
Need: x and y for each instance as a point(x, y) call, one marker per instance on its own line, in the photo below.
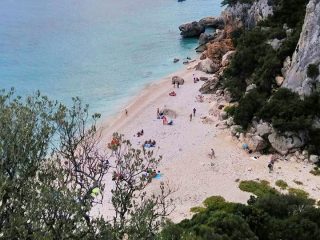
point(184, 146)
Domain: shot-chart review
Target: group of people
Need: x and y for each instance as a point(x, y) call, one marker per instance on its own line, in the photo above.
point(194, 114)
point(149, 143)
point(139, 134)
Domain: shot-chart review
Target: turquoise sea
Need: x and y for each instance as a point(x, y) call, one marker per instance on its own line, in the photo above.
point(103, 51)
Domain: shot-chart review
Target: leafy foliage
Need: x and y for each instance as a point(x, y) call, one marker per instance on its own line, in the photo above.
point(281, 184)
point(268, 216)
point(53, 172)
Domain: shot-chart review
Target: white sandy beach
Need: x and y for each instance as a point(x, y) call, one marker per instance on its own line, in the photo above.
point(185, 147)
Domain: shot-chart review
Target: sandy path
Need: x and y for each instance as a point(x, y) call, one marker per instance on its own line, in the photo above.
point(185, 147)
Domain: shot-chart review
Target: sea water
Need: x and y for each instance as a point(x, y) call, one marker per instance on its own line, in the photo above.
point(103, 51)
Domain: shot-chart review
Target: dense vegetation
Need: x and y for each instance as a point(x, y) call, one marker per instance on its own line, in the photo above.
point(268, 216)
point(256, 62)
point(53, 172)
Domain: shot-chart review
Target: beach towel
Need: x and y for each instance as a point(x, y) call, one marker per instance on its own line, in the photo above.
point(158, 176)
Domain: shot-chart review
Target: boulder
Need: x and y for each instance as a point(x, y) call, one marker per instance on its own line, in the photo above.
point(275, 43)
point(209, 86)
point(223, 115)
point(226, 58)
point(177, 79)
point(282, 143)
point(207, 66)
point(203, 39)
point(201, 48)
point(203, 56)
point(314, 158)
point(175, 60)
point(279, 80)
point(193, 29)
point(204, 79)
point(235, 129)
point(250, 87)
point(212, 22)
point(230, 121)
point(263, 129)
point(256, 143)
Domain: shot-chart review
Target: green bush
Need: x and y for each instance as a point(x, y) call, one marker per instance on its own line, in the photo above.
point(257, 188)
point(248, 106)
point(281, 184)
point(298, 192)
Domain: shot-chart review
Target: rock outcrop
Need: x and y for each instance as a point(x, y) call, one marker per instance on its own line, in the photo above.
point(177, 79)
point(247, 15)
point(213, 22)
point(193, 29)
point(307, 52)
point(287, 141)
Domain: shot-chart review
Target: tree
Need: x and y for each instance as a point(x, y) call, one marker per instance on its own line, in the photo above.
point(53, 170)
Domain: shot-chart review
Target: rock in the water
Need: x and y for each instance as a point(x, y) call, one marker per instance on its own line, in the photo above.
point(227, 57)
point(175, 60)
point(193, 29)
point(279, 80)
point(177, 79)
point(314, 158)
point(207, 66)
point(282, 143)
point(209, 86)
point(204, 38)
point(212, 22)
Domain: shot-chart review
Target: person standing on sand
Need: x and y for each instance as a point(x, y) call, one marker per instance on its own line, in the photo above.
point(190, 117)
point(178, 84)
point(194, 112)
point(126, 111)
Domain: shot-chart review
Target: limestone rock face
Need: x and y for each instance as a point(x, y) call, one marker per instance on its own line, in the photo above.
point(247, 15)
point(193, 29)
point(282, 143)
point(307, 52)
point(256, 143)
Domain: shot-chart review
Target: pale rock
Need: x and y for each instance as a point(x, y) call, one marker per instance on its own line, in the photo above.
point(282, 143)
point(286, 66)
point(263, 129)
point(250, 87)
point(230, 121)
point(207, 66)
point(279, 80)
point(223, 115)
point(307, 52)
point(275, 43)
point(226, 58)
point(235, 129)
point(256, 143)
point(314, 158)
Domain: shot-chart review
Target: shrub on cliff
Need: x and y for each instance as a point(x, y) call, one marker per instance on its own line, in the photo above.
point(269, 216)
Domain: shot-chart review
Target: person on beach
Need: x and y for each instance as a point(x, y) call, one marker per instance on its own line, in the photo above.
point(178, 84)
point(194, 112)
point(190, 117)
point(270, 166)
point(126, 111)
point(212, 154)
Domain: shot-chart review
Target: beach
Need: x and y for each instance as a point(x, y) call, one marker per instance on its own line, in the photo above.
point(185, 147)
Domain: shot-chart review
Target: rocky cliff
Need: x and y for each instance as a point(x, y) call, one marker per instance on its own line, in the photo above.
point(247, 15)
point(307, 52)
